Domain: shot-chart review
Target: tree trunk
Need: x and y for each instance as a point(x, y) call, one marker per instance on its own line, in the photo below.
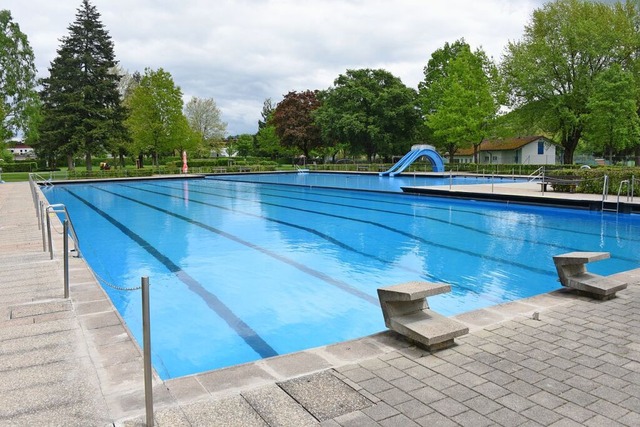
point(569, 144)
point(70, 164)
point(637, 155)
point(87, 161)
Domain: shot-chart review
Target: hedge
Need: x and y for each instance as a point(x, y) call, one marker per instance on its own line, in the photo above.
point(19, 167)
point(591, 181)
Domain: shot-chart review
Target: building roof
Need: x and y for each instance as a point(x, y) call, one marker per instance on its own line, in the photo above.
point(503, 144)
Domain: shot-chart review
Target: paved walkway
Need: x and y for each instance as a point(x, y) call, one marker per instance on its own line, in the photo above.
point(72, 362)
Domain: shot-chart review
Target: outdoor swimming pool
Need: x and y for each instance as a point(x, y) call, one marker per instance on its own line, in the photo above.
point(240, 271)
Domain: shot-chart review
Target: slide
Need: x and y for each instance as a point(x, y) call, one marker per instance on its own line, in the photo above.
point(416, 152)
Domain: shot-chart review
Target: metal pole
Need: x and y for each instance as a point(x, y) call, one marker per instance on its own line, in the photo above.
point(41, 221)
point(146, 338)
point(49, 235)
point(65, 248)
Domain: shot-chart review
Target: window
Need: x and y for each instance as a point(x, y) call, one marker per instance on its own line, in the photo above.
point(540, 147)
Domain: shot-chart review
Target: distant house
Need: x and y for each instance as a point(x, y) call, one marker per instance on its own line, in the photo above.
point(533, 150)
point(21, 151)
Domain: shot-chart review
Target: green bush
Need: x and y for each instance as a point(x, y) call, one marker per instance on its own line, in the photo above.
point(591, 181)
point(112, 173)
point(19, 166)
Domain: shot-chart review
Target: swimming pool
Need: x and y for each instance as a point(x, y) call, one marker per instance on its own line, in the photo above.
point(240, 271)
point(364, 181)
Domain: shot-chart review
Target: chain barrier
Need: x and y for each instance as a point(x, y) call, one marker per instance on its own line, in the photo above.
point(111, 285)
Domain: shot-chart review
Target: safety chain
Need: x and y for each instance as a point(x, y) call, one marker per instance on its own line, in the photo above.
point(118, 288)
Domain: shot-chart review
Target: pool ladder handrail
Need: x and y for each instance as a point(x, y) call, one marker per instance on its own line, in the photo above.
point(62, 209)
point(605, 192)
point(536, 174)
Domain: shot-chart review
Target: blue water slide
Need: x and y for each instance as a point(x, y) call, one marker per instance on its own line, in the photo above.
point(416, 152)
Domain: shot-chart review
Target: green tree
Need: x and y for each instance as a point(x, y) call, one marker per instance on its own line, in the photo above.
point(460, 103)
point(205, 120)
point(266, 113)
point(244, 145)
point(82, 112)
point(565, 47)
point(156, 122)
point(612, 123)
point(372, 110)
point(19, 102)
point(294, 122)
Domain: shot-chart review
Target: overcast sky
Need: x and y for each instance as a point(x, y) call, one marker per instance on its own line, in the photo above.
point(240, 52)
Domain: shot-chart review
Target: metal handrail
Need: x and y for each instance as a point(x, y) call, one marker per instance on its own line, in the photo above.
point(626, 181)
point(536, 174)
point(605, 190)
point(60, 208)
point(46, 182)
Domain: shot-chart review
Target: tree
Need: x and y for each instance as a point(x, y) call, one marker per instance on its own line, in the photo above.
point(204, 120)
point(19, 102)
point(459, 100)
point(156, 122)
point(612, 123)
point(372, 110)
point(294, 122)
point(82, 112)
point(244, 144)
point(565, 47)
point(266, 113)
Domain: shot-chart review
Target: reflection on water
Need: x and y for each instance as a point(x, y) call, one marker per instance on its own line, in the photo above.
point(242, 270)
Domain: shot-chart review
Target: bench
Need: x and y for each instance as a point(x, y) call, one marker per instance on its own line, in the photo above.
point(406, 311)
point(561, 183)
point(363, 168)
point(244, 169)
point(572, 272)
point(219, 170)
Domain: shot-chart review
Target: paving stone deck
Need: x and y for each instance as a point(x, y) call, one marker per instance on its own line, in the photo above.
point(553, 360)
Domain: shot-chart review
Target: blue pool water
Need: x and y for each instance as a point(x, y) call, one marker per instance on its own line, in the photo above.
point(363, 181)
point(240, 271)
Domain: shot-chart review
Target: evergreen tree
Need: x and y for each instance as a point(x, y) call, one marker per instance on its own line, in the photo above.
point(82, 111)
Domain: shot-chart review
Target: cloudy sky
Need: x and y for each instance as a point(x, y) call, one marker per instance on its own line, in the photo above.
point(240, 52)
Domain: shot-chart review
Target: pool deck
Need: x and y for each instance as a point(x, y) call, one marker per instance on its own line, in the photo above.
point(557, 359)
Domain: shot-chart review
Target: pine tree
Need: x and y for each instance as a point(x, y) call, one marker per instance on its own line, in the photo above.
point(82, 111)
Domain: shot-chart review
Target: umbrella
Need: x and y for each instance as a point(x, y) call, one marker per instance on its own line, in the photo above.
point(185, 168)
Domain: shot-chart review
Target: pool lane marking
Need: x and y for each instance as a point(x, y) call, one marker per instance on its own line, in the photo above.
point(308, 270)
point(466, 227)
point(323, 236)
point(276, 187)
point(469, 288)
point(416, 238)
point(251, 337)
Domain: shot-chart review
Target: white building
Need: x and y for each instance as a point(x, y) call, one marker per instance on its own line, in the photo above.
point(21, 151)
point(526, 150)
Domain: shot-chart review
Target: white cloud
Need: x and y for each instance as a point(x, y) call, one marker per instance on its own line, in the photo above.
point(240, 52)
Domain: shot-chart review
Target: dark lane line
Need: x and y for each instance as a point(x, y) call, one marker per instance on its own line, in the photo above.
point(323, 236)
point(278, 188)
point(412, 236)
point(310, 271)
point(250, 336)
point(448, 223)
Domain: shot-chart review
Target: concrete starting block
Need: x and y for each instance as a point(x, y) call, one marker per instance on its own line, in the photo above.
point(406, 311)
point(572, 271)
